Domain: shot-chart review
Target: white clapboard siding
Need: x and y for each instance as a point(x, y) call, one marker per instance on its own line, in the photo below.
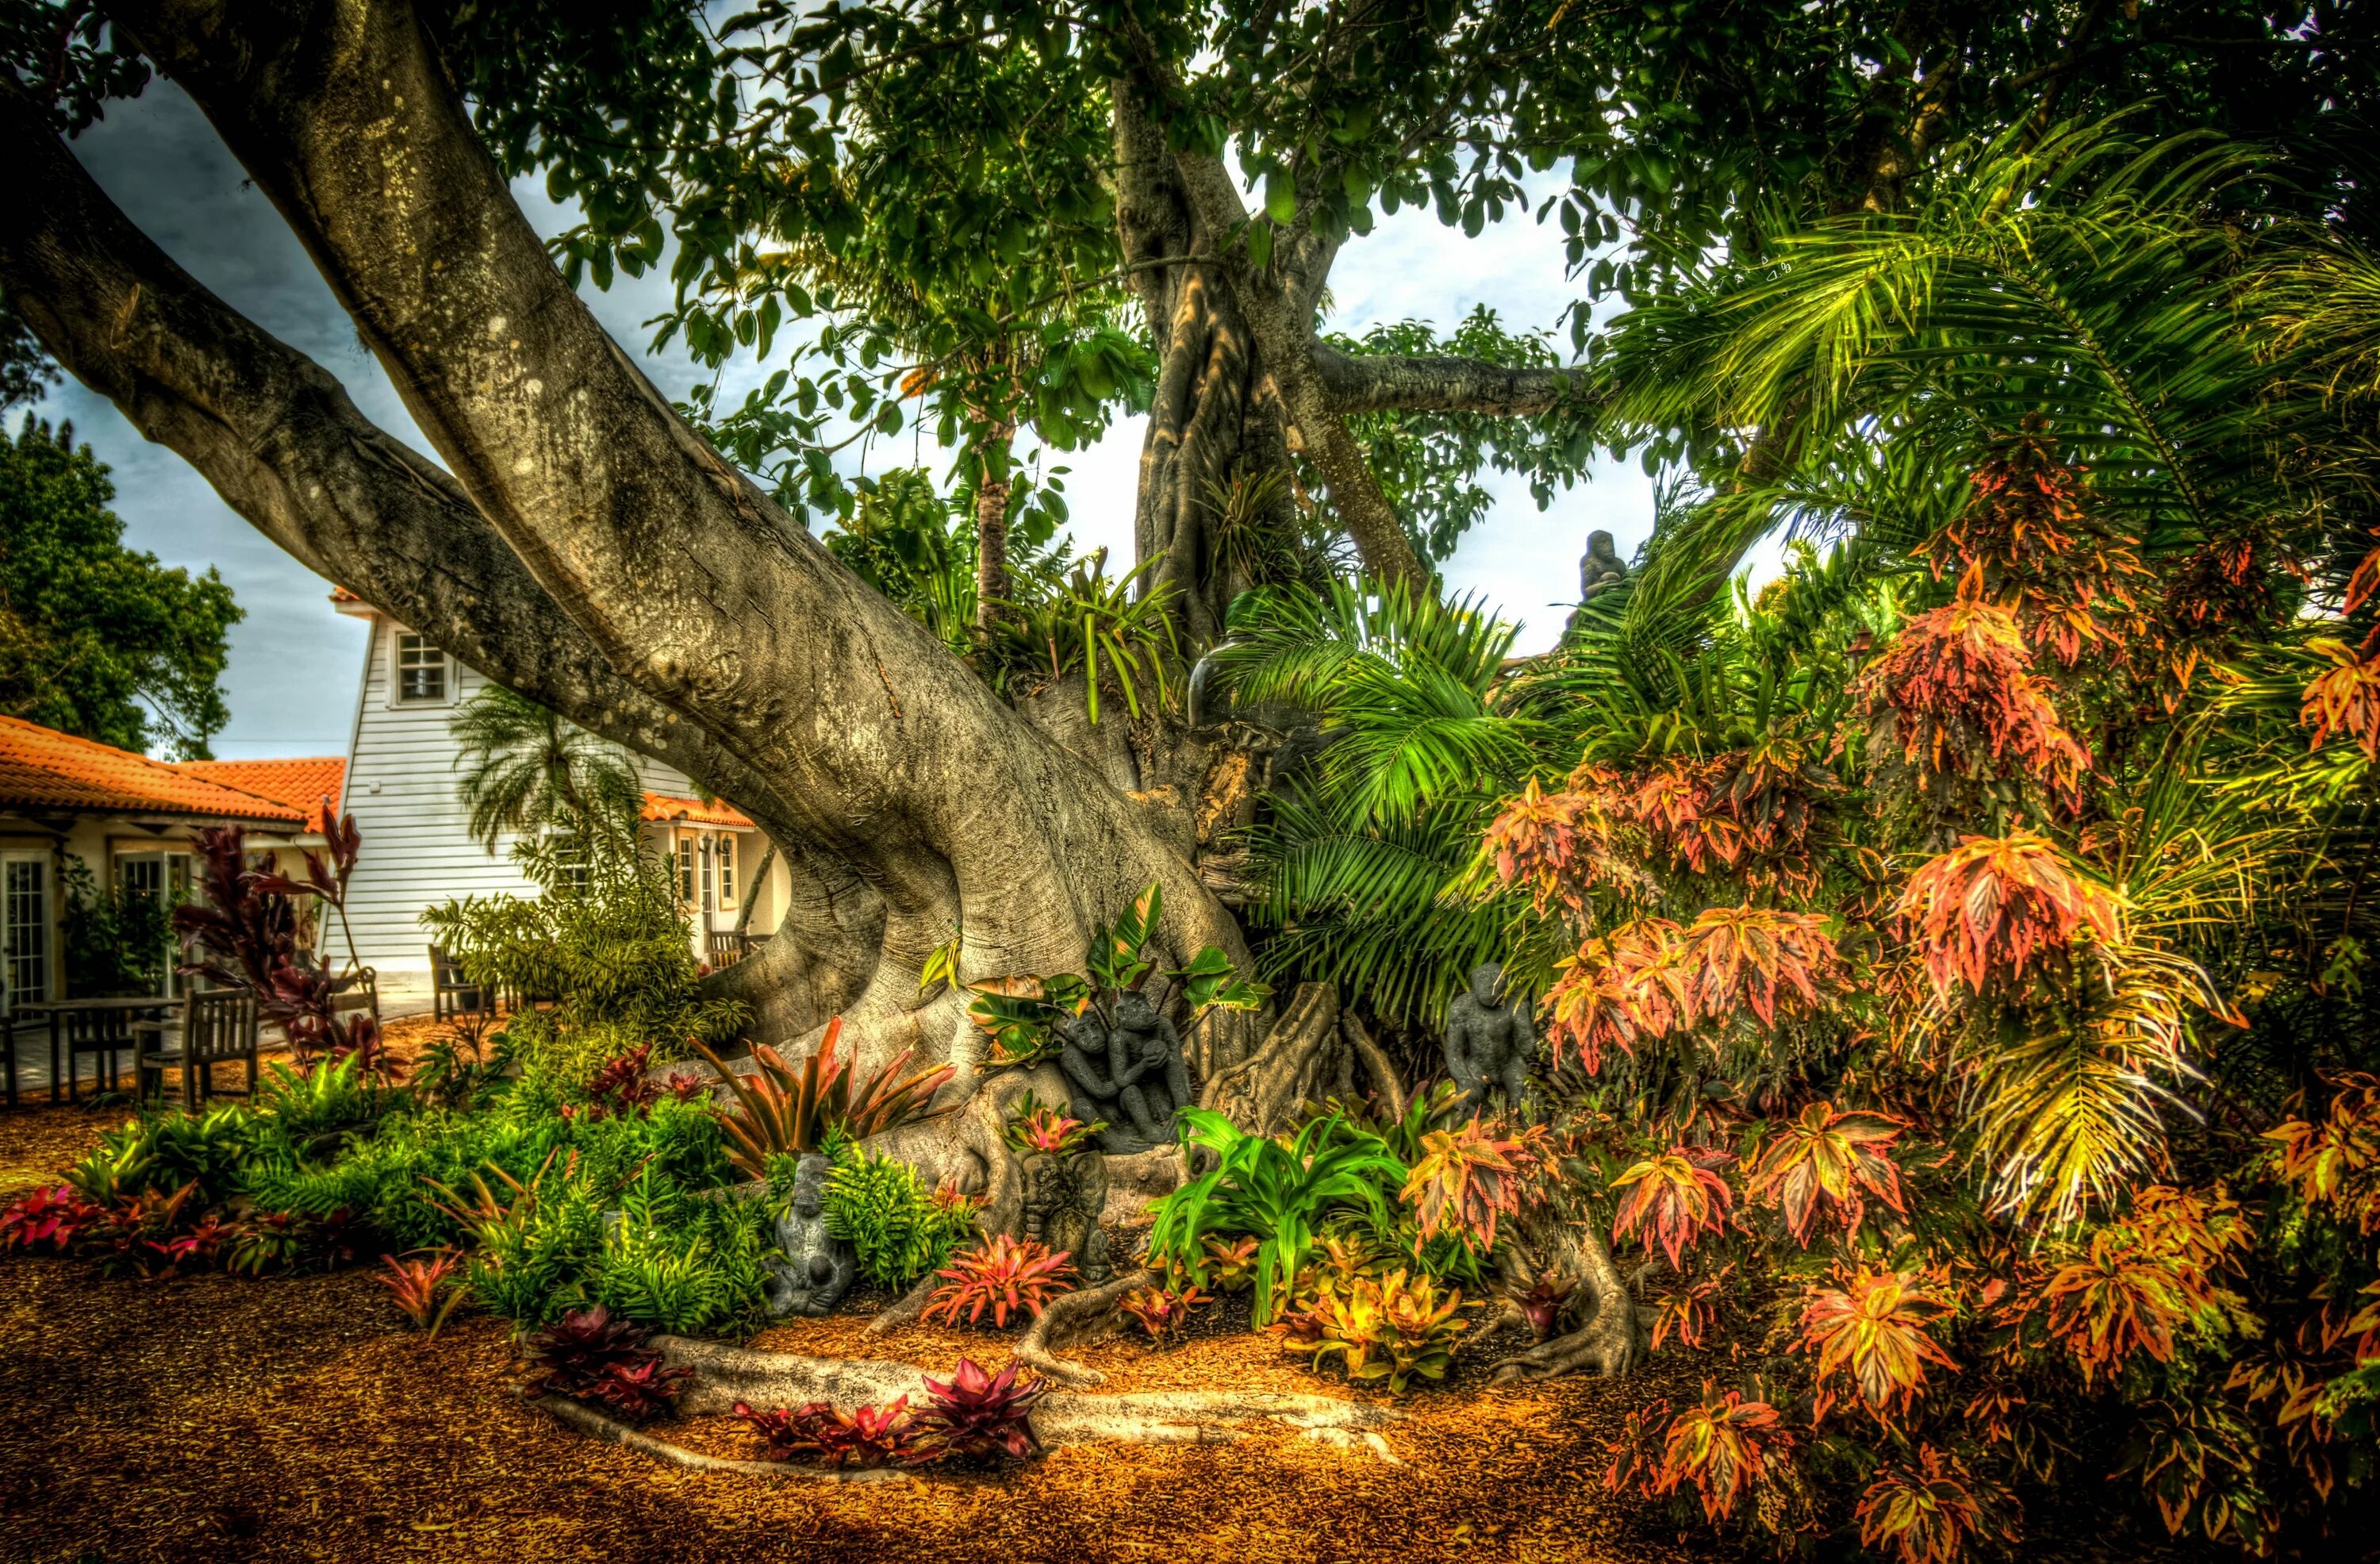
point(404, 791)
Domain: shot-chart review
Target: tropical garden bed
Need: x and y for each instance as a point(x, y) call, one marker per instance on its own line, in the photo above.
point(211, 1417)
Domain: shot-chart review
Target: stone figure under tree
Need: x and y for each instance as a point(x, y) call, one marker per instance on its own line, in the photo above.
point(1131, 1074)
point(1489, 1043)
point(816, 1268)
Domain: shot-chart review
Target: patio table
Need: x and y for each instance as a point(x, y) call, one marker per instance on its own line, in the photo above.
point(129, 1007)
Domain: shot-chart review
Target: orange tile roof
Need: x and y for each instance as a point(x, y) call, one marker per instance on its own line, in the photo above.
point(302, 784)
point(41, 768)
point(661, 809)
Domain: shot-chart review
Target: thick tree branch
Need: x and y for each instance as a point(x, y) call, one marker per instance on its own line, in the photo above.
point(1362, 382)
point(278, 438)
point(963, 819)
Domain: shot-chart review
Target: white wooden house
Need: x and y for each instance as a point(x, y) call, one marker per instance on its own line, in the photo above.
point(404, 788)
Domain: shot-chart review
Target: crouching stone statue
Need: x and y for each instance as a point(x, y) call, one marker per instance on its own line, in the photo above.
point(816, 1268)
point(1132, 1076)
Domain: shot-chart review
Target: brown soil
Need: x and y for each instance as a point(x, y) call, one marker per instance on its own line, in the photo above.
point(212, 1418)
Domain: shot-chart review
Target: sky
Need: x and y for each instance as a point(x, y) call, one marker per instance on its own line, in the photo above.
point(295, 663)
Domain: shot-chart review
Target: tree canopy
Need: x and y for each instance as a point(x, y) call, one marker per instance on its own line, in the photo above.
point(97, 639)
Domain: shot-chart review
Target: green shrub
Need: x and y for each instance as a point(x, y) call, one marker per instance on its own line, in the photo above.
point(684, 1263)
point(879, 1207)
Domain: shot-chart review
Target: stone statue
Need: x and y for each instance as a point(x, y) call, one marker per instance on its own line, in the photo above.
point(1599, 568)
point(1489, 1043)
point(1133, 1075)
point(817, 1267)
point(1065, 1197)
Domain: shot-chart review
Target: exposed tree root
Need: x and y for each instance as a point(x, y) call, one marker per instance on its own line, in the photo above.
point(586, 1420)
point(724, 1375)
point(1073, 1319)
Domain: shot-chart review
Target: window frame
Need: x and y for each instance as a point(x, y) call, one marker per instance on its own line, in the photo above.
point(422, 648)
point(45, 926)
point(724, 866)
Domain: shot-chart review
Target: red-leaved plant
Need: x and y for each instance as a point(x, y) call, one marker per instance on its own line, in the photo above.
point(621, 1087)
point(1004, 1275)
point(244, 934)
point(865, 1437)
point(590, 1356)
point(415, 1286)
point(975, 1415)
point(1163, 1311)
point(48, 1220)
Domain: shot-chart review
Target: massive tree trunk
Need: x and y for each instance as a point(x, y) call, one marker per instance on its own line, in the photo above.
point(588, 549)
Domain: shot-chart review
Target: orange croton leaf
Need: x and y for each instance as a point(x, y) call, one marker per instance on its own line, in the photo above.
point(1956, 696)
point(1651, 978)
point(1469, 1176)
point(1722, 1446)
point(2345, 700)
point(2030, 539)
point(1930, 1511)
point(1673, 1199)
point(1874, 1327)
point(1825, 1164)
point(1691, 1312)
point(2142, 1277)
point(2327, 1164)
point(1992, 906)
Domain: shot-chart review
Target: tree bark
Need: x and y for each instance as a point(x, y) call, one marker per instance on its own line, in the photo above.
point(1214, 416)
point(991, 492)
point(858, 742)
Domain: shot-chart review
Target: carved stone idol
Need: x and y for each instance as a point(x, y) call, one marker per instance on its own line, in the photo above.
point(1599, 568)
point(1064, 1198)
point(1132, 1076)
point(817, 1267)
point(1489, 1043)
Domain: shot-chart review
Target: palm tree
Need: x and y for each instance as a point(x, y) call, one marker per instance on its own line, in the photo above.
point(527, 772)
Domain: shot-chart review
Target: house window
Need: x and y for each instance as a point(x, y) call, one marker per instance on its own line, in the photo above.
point(686, 888)
point(726, 869)
point(709, 856)
point(25, 927)
point(156, 876)
point(421, 673)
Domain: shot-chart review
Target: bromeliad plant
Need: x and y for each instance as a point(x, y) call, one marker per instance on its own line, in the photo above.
point(416, 1285)
point(1390, 1328)
point(783, 1111)
point(1003, 1274)
point(590, 1356)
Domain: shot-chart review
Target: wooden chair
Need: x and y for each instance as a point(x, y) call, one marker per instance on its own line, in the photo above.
point(363, 993)
point(727, 947)
point(453, 994)
point(216, 1027)
point(102, 1033)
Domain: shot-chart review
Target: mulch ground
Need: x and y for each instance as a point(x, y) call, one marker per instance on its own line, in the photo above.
point(212, 1418)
